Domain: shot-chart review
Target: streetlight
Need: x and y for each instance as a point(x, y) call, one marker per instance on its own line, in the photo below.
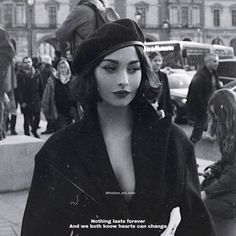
point(199, 34)
point(30, 18)
point(138, 15)
point(166, 29)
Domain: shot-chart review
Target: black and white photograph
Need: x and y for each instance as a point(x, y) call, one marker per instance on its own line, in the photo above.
point(117, 117)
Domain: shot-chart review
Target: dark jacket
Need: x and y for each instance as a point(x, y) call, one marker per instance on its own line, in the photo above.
point(73, 175)
point(221, 187)
point(46, 72)
point(164, 101)
point(200, 90)
point(48, 101)
point(6, 55)
point(30, 90)
point(81, 22)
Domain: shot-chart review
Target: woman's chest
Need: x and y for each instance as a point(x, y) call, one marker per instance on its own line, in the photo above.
point(120, 156)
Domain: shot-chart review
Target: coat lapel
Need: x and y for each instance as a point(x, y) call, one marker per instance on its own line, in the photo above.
point(90, 145)
point(150, 147)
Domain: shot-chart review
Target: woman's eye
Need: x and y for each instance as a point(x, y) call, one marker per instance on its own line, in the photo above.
point(109, 68)
point(134, 69)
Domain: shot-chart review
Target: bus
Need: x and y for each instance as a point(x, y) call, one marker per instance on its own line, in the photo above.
point(186, 55)
point(224, 52)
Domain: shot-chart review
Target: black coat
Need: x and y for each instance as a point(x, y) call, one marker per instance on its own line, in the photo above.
point(30, 90)
point(73, 174)
point(200, 90)
point(6, 55)
point(164, 101)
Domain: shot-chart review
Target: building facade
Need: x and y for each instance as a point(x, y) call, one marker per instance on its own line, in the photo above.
point(220, 22)
point(32, 23)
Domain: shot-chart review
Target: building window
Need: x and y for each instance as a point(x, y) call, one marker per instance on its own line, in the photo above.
point(8, 14)
point(174, 20)
point(233, 17)
point(216, 17)
point(20, 15)
point(196, 16)
point(184, 16)
point(52, 15)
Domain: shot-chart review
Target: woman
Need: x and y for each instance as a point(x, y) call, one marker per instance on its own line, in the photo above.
point(57, 102)
point(164, 101)
point(219, 186)
point(120, 162)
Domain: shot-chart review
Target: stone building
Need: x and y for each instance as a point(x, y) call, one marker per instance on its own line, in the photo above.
point(33, 26)
point(220, 22)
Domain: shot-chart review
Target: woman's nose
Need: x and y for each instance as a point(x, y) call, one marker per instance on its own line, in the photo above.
point(123, 79)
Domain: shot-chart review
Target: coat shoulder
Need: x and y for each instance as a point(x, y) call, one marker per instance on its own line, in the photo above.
point(60, 144)
point(181, 143)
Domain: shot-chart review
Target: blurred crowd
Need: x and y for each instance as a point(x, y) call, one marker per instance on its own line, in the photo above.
point(40, 85)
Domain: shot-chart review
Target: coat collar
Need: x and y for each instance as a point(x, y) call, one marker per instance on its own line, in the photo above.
point(149, 142)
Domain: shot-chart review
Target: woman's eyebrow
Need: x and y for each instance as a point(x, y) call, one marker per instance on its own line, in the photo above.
point(110, 60)
point(117, 62)
point(134, 62)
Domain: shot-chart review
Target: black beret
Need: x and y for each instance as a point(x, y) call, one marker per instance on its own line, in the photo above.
point(106, 39)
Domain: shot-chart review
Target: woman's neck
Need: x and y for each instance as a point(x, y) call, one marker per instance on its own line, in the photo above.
point(117, 119)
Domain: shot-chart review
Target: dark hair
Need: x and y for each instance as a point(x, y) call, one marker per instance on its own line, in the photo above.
point(84, 86)
point(26, 57)
point(152, 55)
point(58, 53)
point(222, 111)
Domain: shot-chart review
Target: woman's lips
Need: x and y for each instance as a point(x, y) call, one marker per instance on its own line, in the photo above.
point(121, 93)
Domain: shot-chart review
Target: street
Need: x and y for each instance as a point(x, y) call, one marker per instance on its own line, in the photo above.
point(204, 149)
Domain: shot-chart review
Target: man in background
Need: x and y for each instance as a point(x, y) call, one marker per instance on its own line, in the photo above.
point(203, 85)
point(30, 92)
point(6, 56)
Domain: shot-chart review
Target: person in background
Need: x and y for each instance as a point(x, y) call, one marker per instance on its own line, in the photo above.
point(219, 186)
point(36, 62)
point(69, 59)
point(7, 53)
point(12, 93)
point(164, 101)
point(57, 103)
point(57, 58)
point(30, 91)
point(46, 68)
point(121, 161)
point(204, 83)
point(83, 20)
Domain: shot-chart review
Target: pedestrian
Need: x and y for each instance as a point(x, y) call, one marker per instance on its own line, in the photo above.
point(121, 162)
point(30, 91)
point(57, 58)
point(83, 20)
point(57, 102)
point(219, 186)
point(204, 83)
point(11, 93)
point(6, 56)
point(46, 68)
point(164, 100)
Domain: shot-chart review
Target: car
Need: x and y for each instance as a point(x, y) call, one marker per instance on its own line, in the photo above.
point(226, 70)
point(179, 82)
point(231, 86)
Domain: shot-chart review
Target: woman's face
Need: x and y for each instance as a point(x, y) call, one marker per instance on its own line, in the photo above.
point(156, 63)
point(62, 69)
point(118, 77)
